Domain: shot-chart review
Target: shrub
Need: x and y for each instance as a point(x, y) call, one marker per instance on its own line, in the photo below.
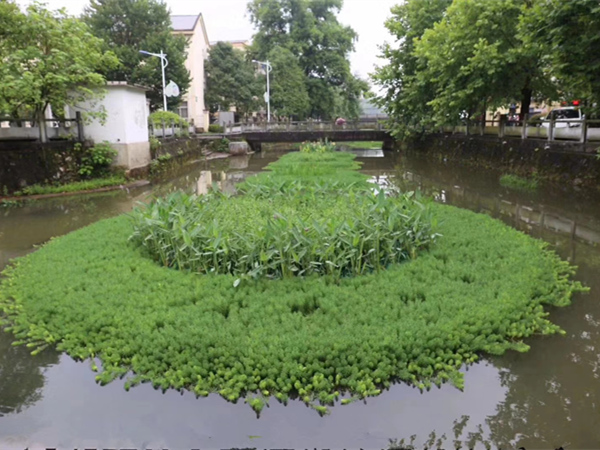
point(96, 160)
point(221, 145)
point(157, 118)
point(215, 128)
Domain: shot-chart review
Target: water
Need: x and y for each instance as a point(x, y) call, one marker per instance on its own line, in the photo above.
point(545, 398)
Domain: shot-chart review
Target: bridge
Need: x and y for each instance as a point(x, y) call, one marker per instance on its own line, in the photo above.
point(257, 134)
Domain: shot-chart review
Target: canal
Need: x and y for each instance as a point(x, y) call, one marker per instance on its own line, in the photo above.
point(545, 398)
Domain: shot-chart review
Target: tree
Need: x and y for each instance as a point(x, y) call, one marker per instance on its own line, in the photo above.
point(48, 58)
point(128, 26)
point(310, 30)
point(405, 98)
point(477, 59)
point(289, 96)
point(568, 32)
point(230, 80)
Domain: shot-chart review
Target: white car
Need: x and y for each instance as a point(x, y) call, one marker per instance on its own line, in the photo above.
point(564, 117)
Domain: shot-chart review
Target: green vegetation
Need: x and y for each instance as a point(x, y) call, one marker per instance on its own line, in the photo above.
point(317, 147)
point(220, 146)
point(519, 183)
point(134, 25)
point(167, 117)
point(480, 288)
point(364, 145)
point(215, 128)
point(86, 185)
point(95, 161)
point(48, 58)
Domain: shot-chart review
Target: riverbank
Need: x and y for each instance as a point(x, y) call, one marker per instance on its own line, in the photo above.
point(564, 164)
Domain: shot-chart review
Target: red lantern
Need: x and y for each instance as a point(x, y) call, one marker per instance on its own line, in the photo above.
point(575, 102)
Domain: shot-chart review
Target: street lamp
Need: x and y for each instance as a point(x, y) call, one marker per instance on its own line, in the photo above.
point(163, 63)
point(268, 94)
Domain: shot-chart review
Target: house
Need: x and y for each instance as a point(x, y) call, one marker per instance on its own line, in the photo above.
point(238, 45)
point(192, 105)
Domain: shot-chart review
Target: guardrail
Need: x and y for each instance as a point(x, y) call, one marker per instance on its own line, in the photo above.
point(578, 130)
point(28, 129)
point(282, 127)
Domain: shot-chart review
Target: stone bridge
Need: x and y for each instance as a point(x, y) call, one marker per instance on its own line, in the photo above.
point(257, 134)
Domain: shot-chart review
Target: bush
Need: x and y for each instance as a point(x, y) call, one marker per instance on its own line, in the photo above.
point(214, 128)
point(157, 118)
point(221, 145)
point(96, 160)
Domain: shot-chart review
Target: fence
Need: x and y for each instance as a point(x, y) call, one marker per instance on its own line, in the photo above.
point(27, 129)
point(170, 129)
point(310, 125)
point(579, 130)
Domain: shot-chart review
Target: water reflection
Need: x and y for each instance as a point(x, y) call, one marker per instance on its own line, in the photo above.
point(21, 376)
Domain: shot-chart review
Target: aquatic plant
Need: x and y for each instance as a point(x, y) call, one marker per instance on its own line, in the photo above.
point(519, 183)
point(286, 235)
point(481, 289)
point(321, 339)
point(317, 147)
point(76, 186)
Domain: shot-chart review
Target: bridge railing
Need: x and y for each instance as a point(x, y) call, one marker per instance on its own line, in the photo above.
point(310, 125)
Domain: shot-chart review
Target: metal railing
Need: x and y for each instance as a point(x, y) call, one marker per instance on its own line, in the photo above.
point(578, 130)
point(310, 125)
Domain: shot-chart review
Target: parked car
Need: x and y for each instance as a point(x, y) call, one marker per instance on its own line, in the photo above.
point(568, 116)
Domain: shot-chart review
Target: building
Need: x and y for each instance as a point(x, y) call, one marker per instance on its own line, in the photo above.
point(238, 45)
point(192, 105)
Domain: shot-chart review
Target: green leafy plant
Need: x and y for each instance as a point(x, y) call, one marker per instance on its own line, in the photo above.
point(96, 160)
point(214, 128)
point(220, 146)
point(86, 185)
point(317, 147)
point(168, 118)
point(519, 183)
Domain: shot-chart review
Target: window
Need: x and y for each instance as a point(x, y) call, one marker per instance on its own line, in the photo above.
point(183, 110)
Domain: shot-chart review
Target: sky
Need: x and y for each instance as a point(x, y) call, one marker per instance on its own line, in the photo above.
point(228, 20)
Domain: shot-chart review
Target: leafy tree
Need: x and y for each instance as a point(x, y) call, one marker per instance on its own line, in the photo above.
point(230, 80)
point(404, 97)
point(310, 30)
point(128, 26)
point(289, 96)
point(568, 32)
point(48, 58)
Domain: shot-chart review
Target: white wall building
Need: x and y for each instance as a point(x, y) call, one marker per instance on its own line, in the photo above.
point(192, 105)
point(126, 125)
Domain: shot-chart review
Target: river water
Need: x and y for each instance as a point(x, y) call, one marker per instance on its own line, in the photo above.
point(545, 398)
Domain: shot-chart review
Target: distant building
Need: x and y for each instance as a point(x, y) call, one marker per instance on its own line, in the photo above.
point(371, 111)
point(238, 45)
point(192, 105)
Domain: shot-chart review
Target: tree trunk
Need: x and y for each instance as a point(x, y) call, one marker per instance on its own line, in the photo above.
point(526, 93)
point(41, 118)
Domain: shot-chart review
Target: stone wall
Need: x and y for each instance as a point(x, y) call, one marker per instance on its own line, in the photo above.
point(564, 163)
point(27, 163)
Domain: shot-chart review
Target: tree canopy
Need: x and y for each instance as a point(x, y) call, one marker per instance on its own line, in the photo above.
point(230, 80)
point(464, 57)
point(310, 30)
point(128, 26)
point(289, 96)
point(48, 58)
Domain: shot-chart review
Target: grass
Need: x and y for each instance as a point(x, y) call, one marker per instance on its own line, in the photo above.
point(363, 145)
point(481, 289)
point(77, 186)
point(519, 183)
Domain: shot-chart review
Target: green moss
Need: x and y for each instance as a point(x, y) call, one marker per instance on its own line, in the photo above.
point(77, 186)
point(519, 183)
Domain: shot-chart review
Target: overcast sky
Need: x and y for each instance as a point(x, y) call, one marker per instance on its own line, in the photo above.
point(227, 20)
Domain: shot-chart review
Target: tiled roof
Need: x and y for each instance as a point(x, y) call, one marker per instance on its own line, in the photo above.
point(184, 23)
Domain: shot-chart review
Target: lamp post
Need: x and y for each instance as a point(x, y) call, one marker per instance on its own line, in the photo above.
point(268, 96)
point(163, 63)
